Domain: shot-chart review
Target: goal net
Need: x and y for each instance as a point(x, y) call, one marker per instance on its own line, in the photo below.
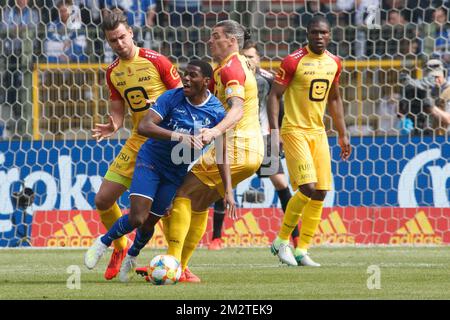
point(393, 190)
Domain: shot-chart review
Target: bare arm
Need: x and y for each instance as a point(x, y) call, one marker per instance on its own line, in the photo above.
point(148, 127)
point(273, 112)
point(116, 118)
point(232, 117)
point(151, 13)
point(441, 115)
point(225, 174)
point(337, 114)
point(273, 104)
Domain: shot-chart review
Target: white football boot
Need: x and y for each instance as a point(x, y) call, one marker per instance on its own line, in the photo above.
point(306, 261)
point(94, 253)
point(284, 253)
point(128, 268)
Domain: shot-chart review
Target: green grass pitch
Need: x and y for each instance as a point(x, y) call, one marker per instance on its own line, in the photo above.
point(405, 273)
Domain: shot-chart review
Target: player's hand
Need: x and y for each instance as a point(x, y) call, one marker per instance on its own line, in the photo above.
point(276, 143)
point(102, 131)
point(230, 205)
point(192, 141)
point(346, 149)
point(209, 135)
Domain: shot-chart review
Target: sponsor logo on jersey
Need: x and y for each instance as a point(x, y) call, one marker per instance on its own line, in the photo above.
point(145, 78)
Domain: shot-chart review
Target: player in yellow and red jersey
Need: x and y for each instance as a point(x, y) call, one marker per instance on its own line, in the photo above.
point(235, 85)
point(309, 80)
point(137, 75)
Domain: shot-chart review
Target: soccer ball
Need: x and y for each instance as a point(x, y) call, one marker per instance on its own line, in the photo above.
point(164, 269)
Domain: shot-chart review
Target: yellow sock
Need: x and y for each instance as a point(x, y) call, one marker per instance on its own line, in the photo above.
point(180, 220)
point(293, 213)
point(109, 217)
point(312, 213)
point(199, 221)
point(166, 227)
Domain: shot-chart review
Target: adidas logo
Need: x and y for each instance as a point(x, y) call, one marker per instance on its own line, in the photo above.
point(417, 230)
point(73, 234)
point(332, 230)
point(245, 232)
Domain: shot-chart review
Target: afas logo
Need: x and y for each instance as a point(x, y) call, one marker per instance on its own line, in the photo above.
point(332, 230)
point(417, 230)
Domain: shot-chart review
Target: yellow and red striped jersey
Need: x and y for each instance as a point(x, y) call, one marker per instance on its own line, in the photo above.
point(308, 78)
point(146, 76)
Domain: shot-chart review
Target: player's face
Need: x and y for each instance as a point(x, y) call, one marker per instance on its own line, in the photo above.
point(253, 57)
point(219, 44)
point(121, 41)
point(194, 83)
point(319, 37)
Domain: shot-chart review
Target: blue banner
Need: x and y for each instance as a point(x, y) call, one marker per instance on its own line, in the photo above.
point(382, 171)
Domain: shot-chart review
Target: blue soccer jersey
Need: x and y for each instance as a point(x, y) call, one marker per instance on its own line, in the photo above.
point(161, 164)
point(180, 115)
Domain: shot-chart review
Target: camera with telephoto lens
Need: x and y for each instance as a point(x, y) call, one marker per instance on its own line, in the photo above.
point(253, 195)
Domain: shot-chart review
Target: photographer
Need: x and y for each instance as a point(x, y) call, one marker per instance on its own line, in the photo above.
point(421, 93)
point(439, 109)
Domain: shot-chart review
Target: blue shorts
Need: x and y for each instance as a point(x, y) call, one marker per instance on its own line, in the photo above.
point(149, 183)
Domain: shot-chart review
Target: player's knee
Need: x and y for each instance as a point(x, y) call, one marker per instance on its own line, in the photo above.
point(278, 181)
point(102, 202)
point(307, 189)
point(319, 195)
point(137, 220)
point(183, 192)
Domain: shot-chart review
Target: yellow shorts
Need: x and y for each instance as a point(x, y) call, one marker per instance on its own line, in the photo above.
point(308, 159)
point(243, 164)
point(122, 168)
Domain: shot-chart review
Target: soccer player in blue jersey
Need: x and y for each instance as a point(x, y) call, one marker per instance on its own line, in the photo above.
point(172, 125)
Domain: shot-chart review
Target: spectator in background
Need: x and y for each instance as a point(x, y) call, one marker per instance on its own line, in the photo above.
point(311, 8)
point(66, 37)
point(89, 11)
point(186, 13)
point(436, 35)
point(442, 30)
point(396, 18)
point(140, 14)
point(409, 49)
point(421, 92)
point(439, 109)
point(404, 123)
point(355, 13)
point(18, 30)
point(387, 112)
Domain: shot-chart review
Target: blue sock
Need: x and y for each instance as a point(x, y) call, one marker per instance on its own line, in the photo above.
point(142, 238)
point(119, 228)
